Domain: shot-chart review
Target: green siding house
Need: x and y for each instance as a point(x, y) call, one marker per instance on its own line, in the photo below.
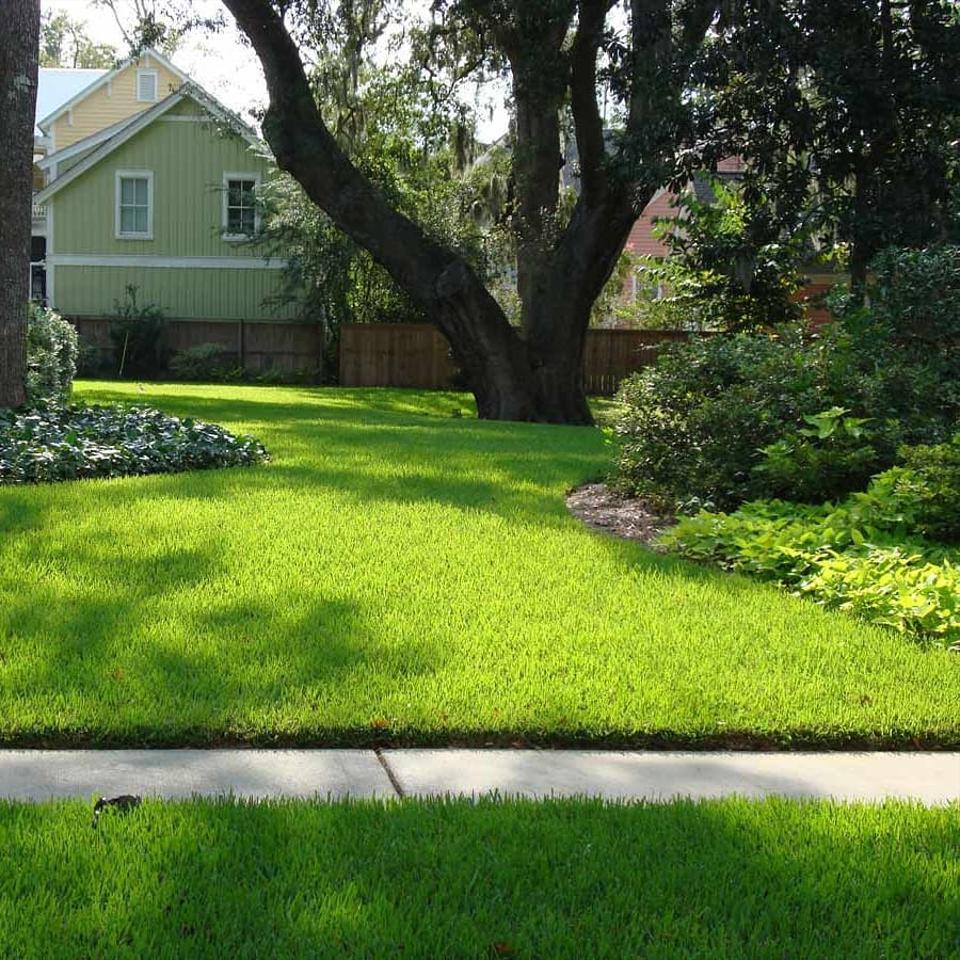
point(147, 180)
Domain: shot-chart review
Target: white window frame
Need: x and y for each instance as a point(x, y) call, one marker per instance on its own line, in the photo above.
point(156, 85)
point(138, 175)
point(224, 212)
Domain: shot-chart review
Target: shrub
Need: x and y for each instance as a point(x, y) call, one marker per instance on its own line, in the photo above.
point(136, 333)
point(926, 489)
point(812, 463)
point(52, 352)
point(693, 425)
point(90, 361)
point(206, 361)
point(904, 346)
point(67, 443)
point(722, 420)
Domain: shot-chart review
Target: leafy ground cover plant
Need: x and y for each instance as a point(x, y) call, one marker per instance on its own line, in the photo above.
point(867, 555)
point(72, 442)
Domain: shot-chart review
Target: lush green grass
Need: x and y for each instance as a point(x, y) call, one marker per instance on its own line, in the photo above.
point(728, 879)
point(398, 573)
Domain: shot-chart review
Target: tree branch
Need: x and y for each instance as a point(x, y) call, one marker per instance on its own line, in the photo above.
point(588, 124)
point(305, 147)
point(438, 280)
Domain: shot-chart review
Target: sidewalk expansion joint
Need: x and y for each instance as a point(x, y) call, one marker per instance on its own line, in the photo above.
point(391, 776)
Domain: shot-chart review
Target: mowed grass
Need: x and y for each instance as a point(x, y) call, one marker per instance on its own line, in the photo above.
point(401, 574)
point(559, 879)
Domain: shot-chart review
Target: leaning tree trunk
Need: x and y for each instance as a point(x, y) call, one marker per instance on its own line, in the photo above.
point(536, 373)
point(19, 42)
point(495, 359)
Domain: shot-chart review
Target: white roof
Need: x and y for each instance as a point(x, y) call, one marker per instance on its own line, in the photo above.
point(56, 86)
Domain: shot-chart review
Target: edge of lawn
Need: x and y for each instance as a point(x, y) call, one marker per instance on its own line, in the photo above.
point(375, 739)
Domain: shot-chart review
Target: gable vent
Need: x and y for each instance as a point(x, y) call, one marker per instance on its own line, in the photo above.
point(147, 86)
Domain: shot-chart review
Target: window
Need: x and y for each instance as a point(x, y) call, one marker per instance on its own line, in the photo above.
point(240, 219)
point(147, 86)
point(134, 217)
point(644, 288)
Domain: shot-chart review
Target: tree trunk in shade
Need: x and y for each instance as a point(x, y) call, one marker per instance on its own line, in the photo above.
point(19, 40)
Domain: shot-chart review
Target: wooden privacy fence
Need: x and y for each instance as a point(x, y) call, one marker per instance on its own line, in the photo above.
point(255, 345)
point(418, 355)
point(377, 354)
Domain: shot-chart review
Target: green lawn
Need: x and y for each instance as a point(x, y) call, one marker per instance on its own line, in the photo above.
point(725, 879)
point(398, 573)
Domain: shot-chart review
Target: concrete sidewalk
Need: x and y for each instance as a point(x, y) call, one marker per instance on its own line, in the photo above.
point(931, 778)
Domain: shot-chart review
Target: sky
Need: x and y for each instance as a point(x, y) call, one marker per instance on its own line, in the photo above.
point(222, 65)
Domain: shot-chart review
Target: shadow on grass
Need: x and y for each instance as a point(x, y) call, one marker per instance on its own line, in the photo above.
point(128, 641)
point(558, 879)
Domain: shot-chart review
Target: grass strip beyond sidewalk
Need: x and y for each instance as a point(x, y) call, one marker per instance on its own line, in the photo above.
point(559, 879)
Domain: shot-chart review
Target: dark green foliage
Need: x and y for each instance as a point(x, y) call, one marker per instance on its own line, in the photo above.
point(730, 265)
point(694, 424)
point(205, 361)
point(52, 352)
point(136, 333)
point(926, 489)
point(845, 109)
point(90, 360)
point(834, 452)
point(727, 419)
point(68, 443)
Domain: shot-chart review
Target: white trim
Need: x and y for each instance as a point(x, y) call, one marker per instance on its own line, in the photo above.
point(148, 54)
point(224, 214)
point(119, 176)
point(142, 72)
point(141, 120)
point(184, 118)
point(146, 260)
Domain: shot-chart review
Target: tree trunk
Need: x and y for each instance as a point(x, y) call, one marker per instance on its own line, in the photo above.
point(19, 42)
point(535, 374)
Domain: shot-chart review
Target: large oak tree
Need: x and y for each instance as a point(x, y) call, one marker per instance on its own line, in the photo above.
point(553, 50)
point(18, 96)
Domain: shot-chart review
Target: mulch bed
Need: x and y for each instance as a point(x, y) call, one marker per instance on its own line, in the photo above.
point(603, 509)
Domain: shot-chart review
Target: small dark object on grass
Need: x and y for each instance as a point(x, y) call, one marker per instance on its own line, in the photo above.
point(125, 803)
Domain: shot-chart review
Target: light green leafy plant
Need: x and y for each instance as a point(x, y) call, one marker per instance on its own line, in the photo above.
point(869, 555)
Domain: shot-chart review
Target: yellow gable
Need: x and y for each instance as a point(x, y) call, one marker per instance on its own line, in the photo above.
point(115, 100)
